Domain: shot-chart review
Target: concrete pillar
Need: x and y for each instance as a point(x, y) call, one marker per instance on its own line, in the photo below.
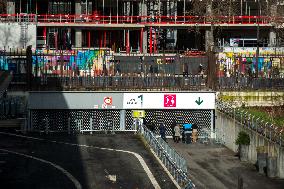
point(78, 32)
point(78, 38)
point(122, 120)
point(145, 42)
point(143, 12)
point(78, 7)
point(272, 33)
point(142, 9)
point(127, 8)
point(86, 8)
point(272, 38)
point(212, 128)
point(209, 38)
point(10, 6)
point(175, 31)
point(171, 34)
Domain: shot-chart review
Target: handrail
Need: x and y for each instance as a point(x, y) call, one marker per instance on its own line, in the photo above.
point(175, 163)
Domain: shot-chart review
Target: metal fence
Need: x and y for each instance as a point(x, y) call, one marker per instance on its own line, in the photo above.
point(122, 83)
point(11, 108)
point(73, 121)
point(268, 130)
point(236, 83)
point(115, 83)
point(175, 164)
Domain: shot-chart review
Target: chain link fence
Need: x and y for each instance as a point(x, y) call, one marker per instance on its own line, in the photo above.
point(270, 131)
point(175, 163)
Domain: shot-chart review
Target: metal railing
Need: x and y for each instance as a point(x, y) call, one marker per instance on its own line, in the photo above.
point(169, 20)
point(154, 82)
point(266, 129)
point(11, 108)
point(175, 163)
point(239, 83)
point(115, 83)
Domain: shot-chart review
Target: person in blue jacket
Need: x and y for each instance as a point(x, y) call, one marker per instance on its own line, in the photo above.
point(187, 132)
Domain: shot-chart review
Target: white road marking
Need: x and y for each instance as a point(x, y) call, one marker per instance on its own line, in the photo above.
point(71, 177)
point(140, 159)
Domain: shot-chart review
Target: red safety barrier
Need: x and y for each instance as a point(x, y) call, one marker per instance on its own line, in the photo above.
point(171, 20)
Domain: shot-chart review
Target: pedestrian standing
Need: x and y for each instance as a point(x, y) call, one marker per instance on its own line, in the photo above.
point(173, 129)
point(187, 132)
point(182, 133)
point(163, 131)
point(194, 133)
point(177, 133)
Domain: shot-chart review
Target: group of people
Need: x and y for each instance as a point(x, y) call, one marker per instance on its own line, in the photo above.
point(187, 133)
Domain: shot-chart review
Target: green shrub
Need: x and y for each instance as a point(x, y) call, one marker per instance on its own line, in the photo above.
point(243, 138)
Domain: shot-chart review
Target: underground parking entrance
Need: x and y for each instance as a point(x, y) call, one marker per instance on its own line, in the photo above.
point(115, 111)
point(98, 113)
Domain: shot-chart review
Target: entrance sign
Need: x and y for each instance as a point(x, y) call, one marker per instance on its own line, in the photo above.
point(122, 100)
point(133, 100)
point(203, 100)
point(199, 101)
point(169, 100)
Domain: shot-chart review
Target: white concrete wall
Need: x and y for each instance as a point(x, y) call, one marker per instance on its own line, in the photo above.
point(229, 129)
point(11, 35)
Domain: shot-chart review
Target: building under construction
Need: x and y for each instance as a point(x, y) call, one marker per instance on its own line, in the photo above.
point(145, 26)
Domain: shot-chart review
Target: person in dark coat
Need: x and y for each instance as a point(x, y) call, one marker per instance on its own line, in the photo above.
point(182, 134)
point(163, 131)
point(150, 125)
point(173, 128)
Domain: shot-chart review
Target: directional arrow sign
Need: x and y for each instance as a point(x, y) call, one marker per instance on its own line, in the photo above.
point(199, 101)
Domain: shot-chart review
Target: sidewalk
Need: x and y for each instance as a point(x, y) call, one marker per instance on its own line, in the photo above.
point(215, 167)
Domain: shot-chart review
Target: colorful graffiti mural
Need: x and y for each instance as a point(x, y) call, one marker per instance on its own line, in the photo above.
point(233, 61)
point(75, 62)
